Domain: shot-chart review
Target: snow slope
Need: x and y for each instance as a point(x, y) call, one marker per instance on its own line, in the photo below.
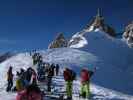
point(68, 57)
point(24, 60)
point(116, 70)
point(59, 56)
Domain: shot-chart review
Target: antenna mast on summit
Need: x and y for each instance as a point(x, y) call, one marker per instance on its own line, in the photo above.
point(98, 12)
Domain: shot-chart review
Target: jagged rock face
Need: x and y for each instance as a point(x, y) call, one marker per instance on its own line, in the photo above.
point(109, 30)
point(59, 42)
point(98, 23)
point(128, 34)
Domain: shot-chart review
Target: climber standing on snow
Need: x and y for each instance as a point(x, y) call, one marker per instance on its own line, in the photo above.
point(85, 82)
point(9, 79)
point(33, 77)
point(57, 67)
point(19, 82)
point(69, 76)
point(52, 66)
point(50, 74)
point(34, 57)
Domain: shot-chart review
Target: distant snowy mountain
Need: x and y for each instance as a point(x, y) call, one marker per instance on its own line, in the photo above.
point(24, 60)
point(128, 34)
point(116, 70)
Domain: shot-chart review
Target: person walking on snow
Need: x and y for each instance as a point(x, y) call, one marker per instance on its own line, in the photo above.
point(9, 79)
point(69, 76)
point(85, 82)
point(57, 69)
point(49, 78)
point(33, 78)
point(34, 58)
point(52, 66)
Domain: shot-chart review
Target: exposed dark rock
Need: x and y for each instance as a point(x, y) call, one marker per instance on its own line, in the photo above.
point(59, 42)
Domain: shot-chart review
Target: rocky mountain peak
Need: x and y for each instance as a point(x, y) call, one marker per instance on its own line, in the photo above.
point(98, 23)
point(128, 34)
point(60, 41)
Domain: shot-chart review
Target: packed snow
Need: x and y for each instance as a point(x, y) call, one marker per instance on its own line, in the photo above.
point(24, 60)
point(116, 69)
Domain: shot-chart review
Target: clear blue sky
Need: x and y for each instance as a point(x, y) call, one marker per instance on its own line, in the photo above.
point(32, 24)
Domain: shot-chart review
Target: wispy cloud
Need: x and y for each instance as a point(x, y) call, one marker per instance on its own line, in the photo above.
point(7, 41)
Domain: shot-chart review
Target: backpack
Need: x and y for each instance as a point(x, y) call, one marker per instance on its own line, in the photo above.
point(69, 75)
point(85, 75)
point(73, 75)
point(19, 85)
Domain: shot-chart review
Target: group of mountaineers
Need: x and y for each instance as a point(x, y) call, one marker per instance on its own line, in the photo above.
point(27, 86)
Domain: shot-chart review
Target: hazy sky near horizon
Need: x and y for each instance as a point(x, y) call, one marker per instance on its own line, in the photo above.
point(33, 24)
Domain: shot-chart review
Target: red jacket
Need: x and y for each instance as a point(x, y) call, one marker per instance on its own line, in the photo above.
point(32, 96)
point(22, 95)
point(67, 75)
point(85, 75)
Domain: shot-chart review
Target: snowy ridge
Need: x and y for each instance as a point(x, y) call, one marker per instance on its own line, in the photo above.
point(62, 56)
point(24, 60)
point(81, 43)
point(116, 69)
point(79, 40)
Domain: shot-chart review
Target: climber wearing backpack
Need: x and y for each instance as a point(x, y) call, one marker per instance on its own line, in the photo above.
point(69, 76)
point(85, 82)
point(19, 82)
point(9, 79)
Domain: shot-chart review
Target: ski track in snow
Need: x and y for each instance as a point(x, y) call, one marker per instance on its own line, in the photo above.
point(24, 60)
